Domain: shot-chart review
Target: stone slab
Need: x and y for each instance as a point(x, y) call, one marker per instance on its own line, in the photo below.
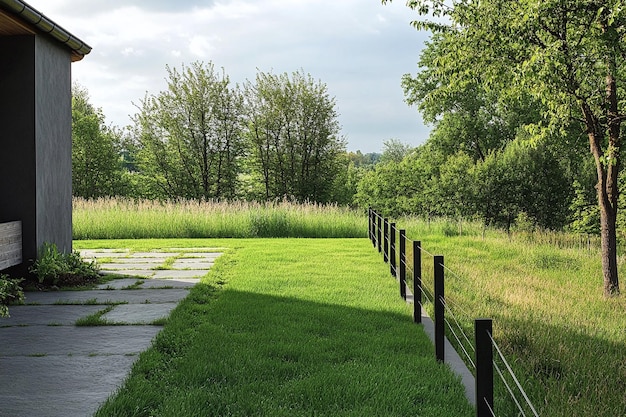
point(105, 296)
point(64, 370)
point(155, 254)
point(130, 266)
point(47, 315)
point(203, 255)
point(179, 273)
point(170, 283)
point(59, 386)
point(119, 284)
point(104, 251)
point(138, 313)
point(191, 264)
point(71, 340)
point(145, 273)
point(135, 260)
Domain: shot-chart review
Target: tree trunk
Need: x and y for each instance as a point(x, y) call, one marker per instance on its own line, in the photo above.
point(607, 200)
point(609, 193)
point(608, 237)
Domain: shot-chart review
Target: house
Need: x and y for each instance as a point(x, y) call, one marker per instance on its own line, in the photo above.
point(35, 132)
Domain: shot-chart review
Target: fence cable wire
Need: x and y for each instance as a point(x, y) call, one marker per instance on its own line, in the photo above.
point(519, 406)
point(456, 305)
point(430, 299)
point(467, 355)
point(406, 266)
point(519, 386)
point(447, 307)
point(426, 252)
point(490, 409)
point(423, 290)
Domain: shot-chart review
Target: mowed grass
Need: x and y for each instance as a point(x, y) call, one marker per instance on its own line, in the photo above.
point(288, 327)
point(566, 342)
point(119, 218)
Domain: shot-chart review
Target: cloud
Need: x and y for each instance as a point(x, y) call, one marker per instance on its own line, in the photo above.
point(200, 46)
point(360, 49)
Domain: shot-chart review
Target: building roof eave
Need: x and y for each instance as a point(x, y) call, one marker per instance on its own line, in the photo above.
point(45, 25)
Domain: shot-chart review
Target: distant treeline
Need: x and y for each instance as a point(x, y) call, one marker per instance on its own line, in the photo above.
point(204, 138)
point(279, 137)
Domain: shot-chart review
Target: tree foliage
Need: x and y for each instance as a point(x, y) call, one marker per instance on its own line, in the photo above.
point(96, 165)
point(190, 137)
point(294, 135)
point(566, 55)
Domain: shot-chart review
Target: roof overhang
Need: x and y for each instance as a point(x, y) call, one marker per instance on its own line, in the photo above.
point(19, 18)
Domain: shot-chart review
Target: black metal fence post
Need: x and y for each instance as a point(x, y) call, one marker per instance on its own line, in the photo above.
point(439, 308)
point(417, 281)
point(392, 250)
point(484, 368)
point(378, 232)
point(386, 240)
point(403, 264)
point(370, 235)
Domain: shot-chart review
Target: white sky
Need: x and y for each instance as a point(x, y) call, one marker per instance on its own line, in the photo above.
point(358, 48)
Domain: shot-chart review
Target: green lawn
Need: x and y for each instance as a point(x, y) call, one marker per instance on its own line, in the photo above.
point(288, 327)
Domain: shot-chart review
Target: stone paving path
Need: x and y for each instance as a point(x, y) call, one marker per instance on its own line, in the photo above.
point(51, 367)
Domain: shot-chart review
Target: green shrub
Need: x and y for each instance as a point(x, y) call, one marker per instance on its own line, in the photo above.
point(55, 268)
point(10, 293)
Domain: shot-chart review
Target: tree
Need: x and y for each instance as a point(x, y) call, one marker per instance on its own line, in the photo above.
point(294, 134)
point(404, 187)
point(467, 115)
point(190, 138)
point(569, 55)
point(96, 164)
point(394, 151)
point(523, 178)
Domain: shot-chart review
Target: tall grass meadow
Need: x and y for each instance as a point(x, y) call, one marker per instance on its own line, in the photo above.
point(121, 218)
point(543, 289)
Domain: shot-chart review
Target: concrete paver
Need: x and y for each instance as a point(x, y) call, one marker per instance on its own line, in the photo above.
point(50, 367)
point(137, 260)
point(138, 313)
point(47, 315)
point(72, 340)
point(130, 266)
point(173, 283)
point(141, 296)
point(203, 255)
point(58, 386)
point(191, 264)
point(180, 273)
point(142, 273)
point(155, 254)
point(119, 284)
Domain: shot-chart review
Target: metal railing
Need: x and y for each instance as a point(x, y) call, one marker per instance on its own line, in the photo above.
point(479, 355)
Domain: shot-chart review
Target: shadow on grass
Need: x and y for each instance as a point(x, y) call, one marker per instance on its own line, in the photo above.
point(247, 354)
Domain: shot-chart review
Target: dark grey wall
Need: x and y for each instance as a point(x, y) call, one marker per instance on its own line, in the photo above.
point(17, 137)
point(53, 138)
point(36, 141)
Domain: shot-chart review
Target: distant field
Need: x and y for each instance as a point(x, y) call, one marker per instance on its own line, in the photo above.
point(118, 218)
